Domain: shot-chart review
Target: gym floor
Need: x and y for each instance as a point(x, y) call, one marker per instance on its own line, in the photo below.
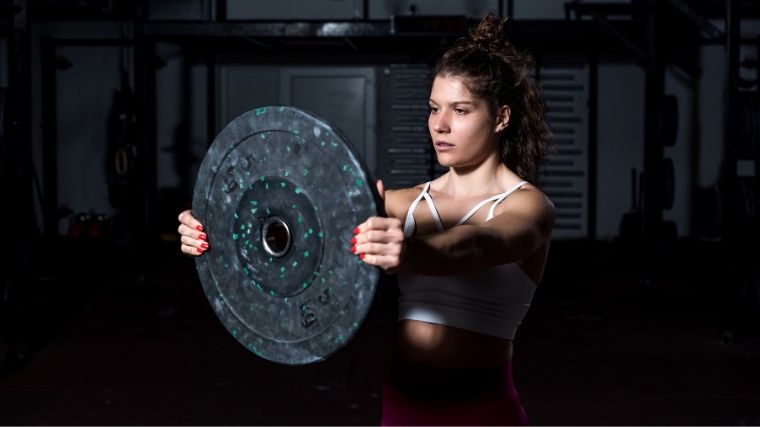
point(606, 342)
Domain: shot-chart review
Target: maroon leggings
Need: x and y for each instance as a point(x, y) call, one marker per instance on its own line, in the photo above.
point(416, 394)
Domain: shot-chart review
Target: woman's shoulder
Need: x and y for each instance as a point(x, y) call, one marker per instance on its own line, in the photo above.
point(397, 202)
point(531, 201)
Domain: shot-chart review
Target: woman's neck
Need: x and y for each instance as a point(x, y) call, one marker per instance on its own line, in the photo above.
point(485, 178)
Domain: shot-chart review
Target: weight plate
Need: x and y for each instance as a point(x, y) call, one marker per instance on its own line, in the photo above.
point(279, 194)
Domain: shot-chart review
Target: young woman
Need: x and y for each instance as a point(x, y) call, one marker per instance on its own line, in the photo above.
point(468, 259)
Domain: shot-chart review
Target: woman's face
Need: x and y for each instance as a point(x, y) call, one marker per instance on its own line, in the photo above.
point(463, 132)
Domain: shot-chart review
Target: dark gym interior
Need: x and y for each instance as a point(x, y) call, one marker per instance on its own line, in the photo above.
point(649, 310)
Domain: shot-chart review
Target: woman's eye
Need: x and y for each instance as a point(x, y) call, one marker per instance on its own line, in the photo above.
point(460, 111)
point(433, 110)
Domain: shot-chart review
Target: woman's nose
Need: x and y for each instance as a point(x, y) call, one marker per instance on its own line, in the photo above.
point(440, 125)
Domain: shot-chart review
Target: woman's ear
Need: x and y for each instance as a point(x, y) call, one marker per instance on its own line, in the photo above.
point(502, 118)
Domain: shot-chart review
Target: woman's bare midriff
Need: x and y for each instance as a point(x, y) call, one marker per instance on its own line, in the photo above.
point(445, 346)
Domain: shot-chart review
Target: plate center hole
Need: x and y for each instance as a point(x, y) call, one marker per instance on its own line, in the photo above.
point(276, 237)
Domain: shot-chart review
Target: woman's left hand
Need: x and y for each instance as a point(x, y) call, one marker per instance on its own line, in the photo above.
point(380, 241)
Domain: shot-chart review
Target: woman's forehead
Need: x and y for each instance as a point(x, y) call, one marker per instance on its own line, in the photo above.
point(450, 89)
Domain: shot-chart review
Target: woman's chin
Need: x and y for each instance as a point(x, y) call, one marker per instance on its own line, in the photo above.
point(446, 160)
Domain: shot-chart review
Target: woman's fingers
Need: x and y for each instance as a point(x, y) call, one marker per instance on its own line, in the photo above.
point(377, 236)
point(378, 223)
point(379, 248)
point(193, 246)
point(196, 243)
point(186, 231)
point(191, 250)
point(189, 220)
point(191, 235)
point(380, 242)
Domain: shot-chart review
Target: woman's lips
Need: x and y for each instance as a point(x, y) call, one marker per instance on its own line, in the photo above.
point(443, 146)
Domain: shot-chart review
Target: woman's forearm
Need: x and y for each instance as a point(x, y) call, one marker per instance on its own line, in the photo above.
point(459, 250)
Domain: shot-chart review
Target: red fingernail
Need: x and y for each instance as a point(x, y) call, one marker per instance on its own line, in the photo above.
point(200, 251)
point(202, 237)
point(362, 256)
point(353, 241)
point(353, 249)
point(356, 230)
point(199, 228)
point(204, 245)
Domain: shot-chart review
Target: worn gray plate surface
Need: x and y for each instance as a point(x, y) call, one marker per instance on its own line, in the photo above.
point(284, 174)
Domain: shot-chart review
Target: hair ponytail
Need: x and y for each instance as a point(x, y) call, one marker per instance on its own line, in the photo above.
point(495, 71)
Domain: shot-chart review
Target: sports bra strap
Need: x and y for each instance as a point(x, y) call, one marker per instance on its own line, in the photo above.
point(502, 197)
point(498, 200)
point(433, 211)
point(409, 222)
point(475, 209)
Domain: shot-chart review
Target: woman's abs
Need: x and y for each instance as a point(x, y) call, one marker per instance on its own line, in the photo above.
point(445, 346)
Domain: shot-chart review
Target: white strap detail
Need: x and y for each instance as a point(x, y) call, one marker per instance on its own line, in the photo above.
point(409, 222)
point(434, 212)
point(475, 209)
point(502, 197)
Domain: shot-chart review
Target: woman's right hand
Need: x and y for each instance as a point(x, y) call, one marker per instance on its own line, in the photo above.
point(192, 236)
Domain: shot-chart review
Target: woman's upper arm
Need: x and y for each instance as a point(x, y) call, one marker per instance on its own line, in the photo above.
point(397, 202)
point(523, 225)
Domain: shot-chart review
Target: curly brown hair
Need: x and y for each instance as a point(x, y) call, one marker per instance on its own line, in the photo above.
point(495, 71)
